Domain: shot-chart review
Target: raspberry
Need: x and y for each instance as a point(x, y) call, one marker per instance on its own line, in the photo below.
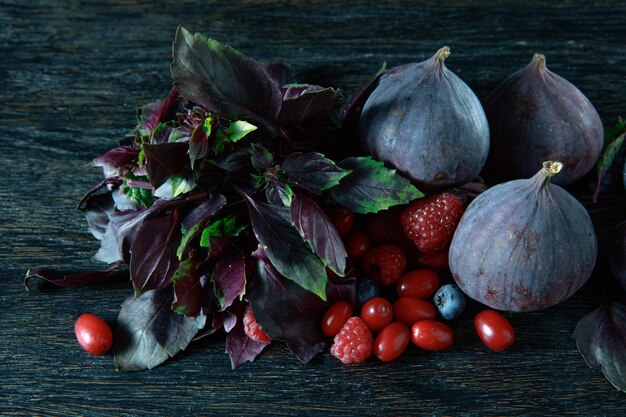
point(385, 263)
point(430, 222)
point(354, 343)
point(252, 328)
point(385, 227)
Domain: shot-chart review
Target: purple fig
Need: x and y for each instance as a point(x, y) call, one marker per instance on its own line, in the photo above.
point(426, 122)
point(523, 245)
point(617, 254)
point(534, 116)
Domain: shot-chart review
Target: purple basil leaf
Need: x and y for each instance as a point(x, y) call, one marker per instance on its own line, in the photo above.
point(342, 289)
point(98, 211)
point(198, 145)
point(601, 340)
point(313, 171)
point(70, 279)
point(239, 346)
point(224, 80)
point(317, 229)
point(229, 277)
point(108, 181)
point(285, 248)
point(279, 72)
point(304, 102)
point(148, 332)
point(278, 193)
point(285, 310)
point(234, 161)
point(203, 211)
point(229, 320)
point(120, 157)
point(261, 158)
point(188, 289)
point(165, 160)
point(119, 235)
point(306, 353)
point(163, 111)
point(153, 253)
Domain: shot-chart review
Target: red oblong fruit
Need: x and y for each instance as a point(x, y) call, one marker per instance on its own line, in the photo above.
point(432, 335)
point(376, 313)
point(494, 330)
point(410, 310)
point(93, 334)
point(335, 317)
point(357, 244)
point(391, 341)
point(342, 219)
point(419, 283)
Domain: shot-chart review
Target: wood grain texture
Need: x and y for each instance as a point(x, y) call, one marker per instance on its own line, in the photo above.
point(72, 75)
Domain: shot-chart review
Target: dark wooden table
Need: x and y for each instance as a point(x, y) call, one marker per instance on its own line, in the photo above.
point(73, 74)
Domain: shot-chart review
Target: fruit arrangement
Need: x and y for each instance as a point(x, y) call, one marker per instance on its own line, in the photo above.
point(242, 204)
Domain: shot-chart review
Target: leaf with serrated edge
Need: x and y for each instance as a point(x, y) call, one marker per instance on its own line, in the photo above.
point(313, 171)
point(372, 187)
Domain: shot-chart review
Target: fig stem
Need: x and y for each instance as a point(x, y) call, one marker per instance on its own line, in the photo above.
point(539, 61)
point(551, 168)
point(442, 54)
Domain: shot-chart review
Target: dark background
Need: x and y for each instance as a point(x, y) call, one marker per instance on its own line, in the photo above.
point(72, 76)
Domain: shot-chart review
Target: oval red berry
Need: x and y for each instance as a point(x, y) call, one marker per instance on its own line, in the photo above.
point(376, 313)
point(93, 334)
point(357, 244)
point(410, 310)
point(391, 341)
point(419, 283)
point(494, 330)
point(335, 317)
point(342, 219)
point(432, 335)
point(251, 327)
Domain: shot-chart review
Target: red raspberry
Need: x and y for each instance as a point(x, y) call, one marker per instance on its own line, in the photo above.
point(354, 343)
point(385, 227)
point(252, 328)
point(385, 263)
point(430, 222)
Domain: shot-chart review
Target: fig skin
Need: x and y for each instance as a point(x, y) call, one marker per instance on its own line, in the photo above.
point(425, 121)
point(617, 253)
point(523, 245)
point(536, 115)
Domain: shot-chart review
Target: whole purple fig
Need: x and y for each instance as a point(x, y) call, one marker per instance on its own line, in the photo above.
point(617, 254)
point(426, 122)
point(534, 116)
point(523, 245)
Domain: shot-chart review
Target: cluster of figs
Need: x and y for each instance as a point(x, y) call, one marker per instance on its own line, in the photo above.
point(524, 244)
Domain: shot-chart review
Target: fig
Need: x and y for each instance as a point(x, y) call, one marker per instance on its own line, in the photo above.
point(534, 116)
point(617, 253)
point(426, 122)
point(523, 245)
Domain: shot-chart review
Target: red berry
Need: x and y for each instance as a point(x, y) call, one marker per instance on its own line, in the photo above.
point(342, 219)
point(385, 263)
point(251, 327)
point(335, 317)
point(432, 335)
point(93, 334)
point(409, 310)
point(357, 244)
point(437, 261)
point(385, 227)
point(376, 313)
point(419, 283)
point(391, 341)
point(430, 222)
point(354, 343)
point(494, 330)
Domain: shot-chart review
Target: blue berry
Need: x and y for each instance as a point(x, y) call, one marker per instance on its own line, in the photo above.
point(366, 289)
point(449, 301)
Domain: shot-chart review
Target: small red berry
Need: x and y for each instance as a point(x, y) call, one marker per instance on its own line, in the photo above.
point(430, 222)
point(410, 310)
point(335, 317)
point(357, 244)
point(385, 227)
point(93, 334)
point(391, 341)
point(437, 261)
point(432, 335)
point(494, 330)
point(385, 263)
point(251, 327)
point(342, 219)
point(354, 343)
point(376, 313)
point(419, 283)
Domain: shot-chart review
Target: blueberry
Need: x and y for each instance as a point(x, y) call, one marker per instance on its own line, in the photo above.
point(449, 301)
point(366, 289)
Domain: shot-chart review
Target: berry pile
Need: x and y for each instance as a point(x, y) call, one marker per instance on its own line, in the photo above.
point(400, 257)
